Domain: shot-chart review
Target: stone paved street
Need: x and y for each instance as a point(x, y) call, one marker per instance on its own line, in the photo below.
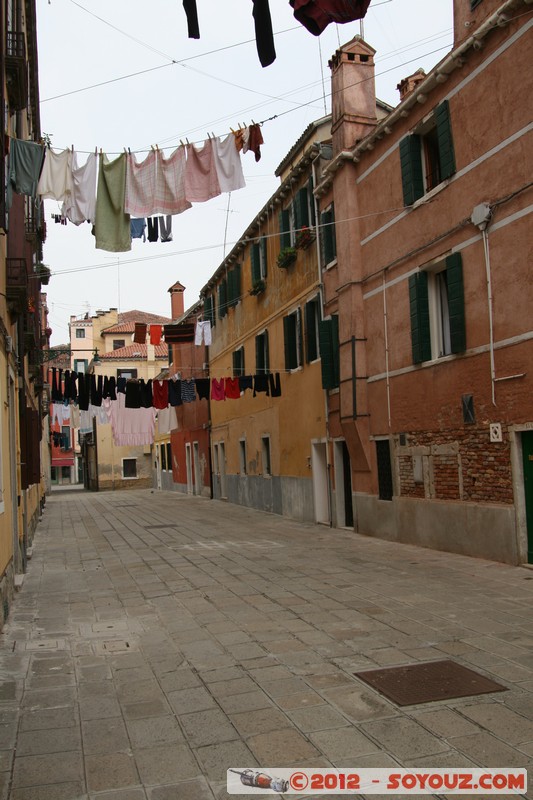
point(159, 639)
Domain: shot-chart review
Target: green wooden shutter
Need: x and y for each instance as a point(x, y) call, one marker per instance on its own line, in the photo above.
point(256, 263)
point(231, 288)
point(301, 210)
point(237, 282)
point(411, 165)
point(328, 334)
point(444, 135)
point(311, 310)
point(289, 341)
point(209, 310)
point(259, 354)
point(419, 310)
point(264, 255)
point(327, 236)
point(456, 302)
point(222, 298)
point(333, 234)
point(310, 188)
point(267, 353)
point(299, 337)
point(284, 229)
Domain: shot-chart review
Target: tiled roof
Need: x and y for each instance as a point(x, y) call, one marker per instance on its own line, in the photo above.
point(135, 351)
point(127, 320)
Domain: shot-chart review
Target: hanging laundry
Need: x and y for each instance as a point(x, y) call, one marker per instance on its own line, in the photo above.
point(86, 421)
point(84, 389)
point(192, 18)
point(57, 391)
point(80, 205)
point(74, 416)
point(166, 420)
point(202, 388)
point(110, 388)
point(245, 382)
point(261, 384)
point(25, 164)
point(130, 426)
point(228, 164)
point(160, 393)
point(174, 392)
point(55, 182)
point(170, 183)
point(255, 140)
point(133, 394)
point(147, 398)
point(97, 383)
point(155, 333)
point(179, 334)
point(138, 228)
point(156, 185)
point(59, 219)
point(264, 36)
point(201, 181)
point(139, 334)
point(188, 391)
point(217, 389)
point(203, 332)
point(239, 139)
point(112, 226)
point(274, 385)
point(121, 385)
point(165, 225)
point(232, 389)
point(315, 15)
point(153, 230)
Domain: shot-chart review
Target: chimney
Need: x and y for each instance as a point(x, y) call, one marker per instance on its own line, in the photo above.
point(353, 93)
point(409, 84)
point(176, 300)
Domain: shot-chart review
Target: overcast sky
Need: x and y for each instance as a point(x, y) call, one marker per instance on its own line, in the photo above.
point(86, 50)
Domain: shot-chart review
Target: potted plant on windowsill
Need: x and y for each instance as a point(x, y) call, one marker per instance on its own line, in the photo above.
point(43, 273)
point(287, 257)
point(305, 237)
point(258, 287)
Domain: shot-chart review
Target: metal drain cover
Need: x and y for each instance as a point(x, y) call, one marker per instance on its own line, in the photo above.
point(428, 682)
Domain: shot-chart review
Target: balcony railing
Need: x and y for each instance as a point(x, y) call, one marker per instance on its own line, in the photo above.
point(16, 70)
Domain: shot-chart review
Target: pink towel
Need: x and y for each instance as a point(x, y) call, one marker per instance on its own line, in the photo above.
point(201, 180)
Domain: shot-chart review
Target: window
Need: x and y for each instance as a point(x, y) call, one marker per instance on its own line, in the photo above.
point(312, 319)
point(436, 300)
point(238, 362)
point(328, 241)
point(234, 286)
point(222, 298)
point(129, 467)
point(427, 156)
point(126, 373)
point(328, 330)
point(80, 365)
point(261, 354)
point(242, 456)
point(163, 456)
point(292, 332)
point(265, 453)
point(65, 437)
point(300, 214)
point(118, 343)
point(80, 333)
point(169, 456)
point(258, 258)
point(384, 469)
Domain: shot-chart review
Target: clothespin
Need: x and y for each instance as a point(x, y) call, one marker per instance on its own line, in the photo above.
point(213, 135)
point(231, 129)
point(129, 151)
point(72, 148)
point(96, 151)
point(181, 142)
point(153, 148)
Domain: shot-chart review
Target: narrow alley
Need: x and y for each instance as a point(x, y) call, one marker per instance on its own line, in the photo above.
point(160, 639)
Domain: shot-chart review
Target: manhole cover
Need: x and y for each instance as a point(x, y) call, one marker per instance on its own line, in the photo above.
point(428, 682)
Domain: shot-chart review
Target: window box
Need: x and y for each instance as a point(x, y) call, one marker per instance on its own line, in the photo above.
point(287, 257)
point(258, 287)
point(43, 273)
point(305, 238)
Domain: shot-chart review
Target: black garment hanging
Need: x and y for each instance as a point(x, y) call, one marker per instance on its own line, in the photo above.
point(57, 392)
point(246, 382)
point(264, 37)
point(174, 393)
point(192, 18)
point(153, 229)
point(261, 384)
point(145, 393)
point(84, 391)
point(165, 226)
point(96, 390)
point(274, 385)
point(70, 391)
point(121, 385)
point(110, 388)
point(202, 388)
point(133, 394)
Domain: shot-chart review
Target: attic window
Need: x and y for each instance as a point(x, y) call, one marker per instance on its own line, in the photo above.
point(351, 56)
point(363, 58)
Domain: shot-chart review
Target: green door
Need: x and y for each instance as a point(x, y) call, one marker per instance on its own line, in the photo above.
point(527, 453)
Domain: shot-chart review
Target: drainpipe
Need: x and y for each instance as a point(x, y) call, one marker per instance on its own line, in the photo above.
point(314, 163)
point(385, 327)
point(481, 216)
